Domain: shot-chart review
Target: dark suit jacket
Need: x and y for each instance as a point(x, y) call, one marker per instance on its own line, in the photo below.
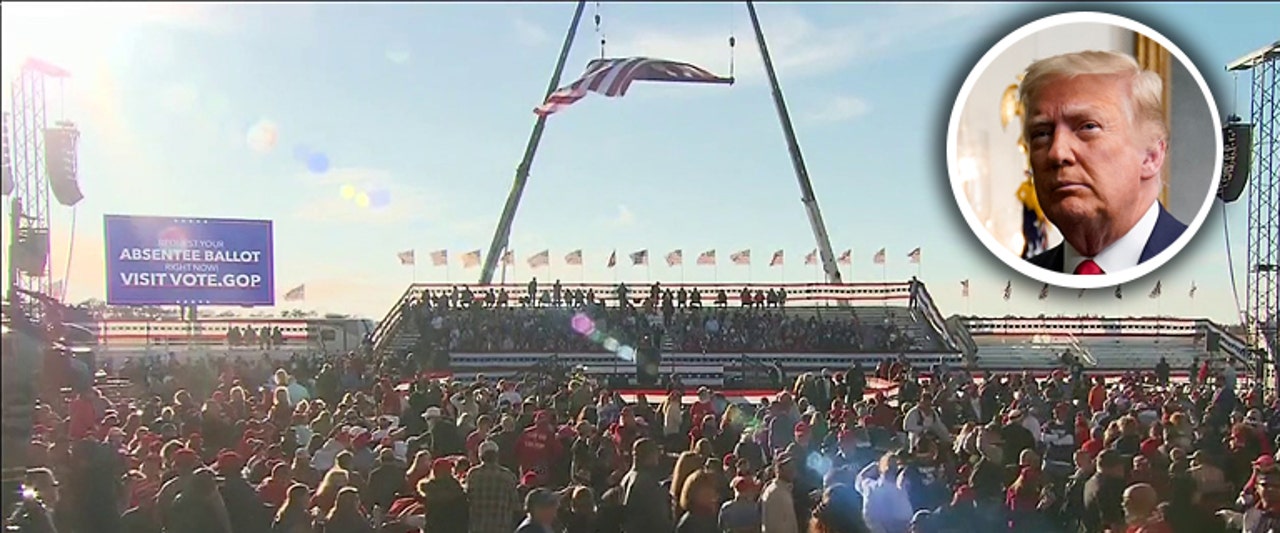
point(1167, 230)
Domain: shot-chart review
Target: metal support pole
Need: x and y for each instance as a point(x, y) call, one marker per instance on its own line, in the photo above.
point(807, 196)
point(503, 232)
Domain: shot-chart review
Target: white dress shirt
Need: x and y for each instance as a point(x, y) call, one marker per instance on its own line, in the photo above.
point(1122, 254)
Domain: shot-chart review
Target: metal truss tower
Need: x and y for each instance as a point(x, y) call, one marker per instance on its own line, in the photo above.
point(30, 202)
point(1262, 297)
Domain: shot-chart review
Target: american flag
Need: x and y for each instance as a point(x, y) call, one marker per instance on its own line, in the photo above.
point(640, 258)
point(777, 259)
point(1155, 291)
point(1044, 292)
point(296, 294)
point(508, 258)
point(440, 258)
point(914, 256)
point(613, 259)
point(741, 258)
point(1008, 290)
point(472, 259)
point(879, 258)
point(964, 288)
point(407, 257)
point(612, 77)
point(846, 258)
point(1192, 292)
point(540, 259)
point(811, 258)
point(707, 258)
point(574, 258)
point(675, 258)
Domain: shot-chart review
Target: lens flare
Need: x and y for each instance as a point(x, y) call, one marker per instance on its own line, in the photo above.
point(362, 200)
point(627, 353)
point(379, 198)
point(348, 192)
point(582, 324)
point(611, 344)
point(317, 163)
point(263, 136)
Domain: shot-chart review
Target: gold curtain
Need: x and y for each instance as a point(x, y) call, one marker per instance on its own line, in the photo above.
point(1151, 56)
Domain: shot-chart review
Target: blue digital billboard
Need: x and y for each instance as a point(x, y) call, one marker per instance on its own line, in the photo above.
point(188, 261)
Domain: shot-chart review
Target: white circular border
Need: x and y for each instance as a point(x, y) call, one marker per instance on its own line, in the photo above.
point(1013, 260)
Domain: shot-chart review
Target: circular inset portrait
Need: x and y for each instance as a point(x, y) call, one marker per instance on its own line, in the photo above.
point(1084, 150)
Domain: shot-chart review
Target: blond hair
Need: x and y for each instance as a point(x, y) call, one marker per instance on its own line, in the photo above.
point(1146, 88)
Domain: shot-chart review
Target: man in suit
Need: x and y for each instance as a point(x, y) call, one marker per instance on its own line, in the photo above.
point(1097, 142)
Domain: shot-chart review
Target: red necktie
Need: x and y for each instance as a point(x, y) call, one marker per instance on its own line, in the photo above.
point(1088, 268)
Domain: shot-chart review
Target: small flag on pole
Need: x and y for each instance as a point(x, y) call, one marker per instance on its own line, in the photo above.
point(741, 257)
point(508, 258)
point(811, 258)
point(964, 288)
point(1155, 291)
point(440, 258)
point(613, 259)
point(407, 258)
point(1080, 294)
point(296, 294)
point(540, 259)
point(1119, 294)
point(675, 258)
point(640, 258)
point(707, 258)
point(1192, 293)
point(574, 258)
point(914, 256)
point(1008, 290)
point(846, 258)
point(472, 259)
point(1044, 292)
point(879, 258)
point(777, 259)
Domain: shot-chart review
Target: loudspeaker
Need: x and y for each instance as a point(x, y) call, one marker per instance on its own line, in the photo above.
point(1237, 158)
point(1212, 341)
point(648, 365)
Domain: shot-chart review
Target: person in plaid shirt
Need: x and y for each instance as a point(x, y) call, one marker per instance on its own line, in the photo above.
point(491, 491)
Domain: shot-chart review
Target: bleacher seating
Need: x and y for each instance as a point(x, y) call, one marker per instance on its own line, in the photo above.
point(1115, 345)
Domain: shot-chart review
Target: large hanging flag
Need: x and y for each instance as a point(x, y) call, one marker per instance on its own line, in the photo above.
point(407, 258)
point(296, 294)
point(675, 258)
point(640, 258)
point(879, 258)
point(777, 259)
point(914, 256)
point(964, 288)
point(540, 259)
point(1044, 292)
point(613, 76)
point(707, 258)
point(440, 258)
point(1008, 290)
point(1155, 291)
point(613, 259)
point(1192, 293)
point(742, 257)
point(846, 258)
point(472, 259)
point(574, 258)
point(811, 258)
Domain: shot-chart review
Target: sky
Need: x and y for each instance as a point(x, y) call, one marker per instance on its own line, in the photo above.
point(199, 110)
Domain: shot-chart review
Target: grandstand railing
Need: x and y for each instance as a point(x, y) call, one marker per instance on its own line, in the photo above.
point(797, 295)
point(1080, 326)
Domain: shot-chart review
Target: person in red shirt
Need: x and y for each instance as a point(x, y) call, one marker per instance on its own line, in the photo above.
point(537, 448)
point(83, 416)
point(703, 406)
point(275, 487)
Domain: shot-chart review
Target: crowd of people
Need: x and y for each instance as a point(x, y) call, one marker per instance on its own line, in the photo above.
point(462, 321)
point(357, 443)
